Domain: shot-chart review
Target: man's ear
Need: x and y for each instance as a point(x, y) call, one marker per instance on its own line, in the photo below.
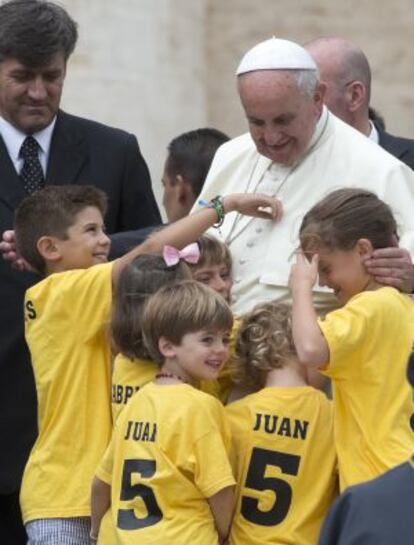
point(184, 193)
point(364, 247)
point(356, 95)
point(320, 92)
point(48, 248)
point(166, 347)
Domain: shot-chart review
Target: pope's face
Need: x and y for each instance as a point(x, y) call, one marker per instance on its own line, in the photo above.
point(281, 119)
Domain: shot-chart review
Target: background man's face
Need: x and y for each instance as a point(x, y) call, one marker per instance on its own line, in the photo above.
point(281, 119)
point(30, 97)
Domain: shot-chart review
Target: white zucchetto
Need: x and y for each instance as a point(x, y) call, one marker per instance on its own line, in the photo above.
point(276, 54)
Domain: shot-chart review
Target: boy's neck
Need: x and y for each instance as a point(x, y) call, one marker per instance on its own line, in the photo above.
point(171, 373)
point(290, 376)
point(52, 268)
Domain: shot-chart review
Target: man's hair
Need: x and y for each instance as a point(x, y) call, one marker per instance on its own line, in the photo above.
point(50, 212)
point(33, 31)
point(264, 342)
point(343, 217)
point(191, 155)
point(307, 81)
point(212, 252)
point(181, 308)
point(137, 281)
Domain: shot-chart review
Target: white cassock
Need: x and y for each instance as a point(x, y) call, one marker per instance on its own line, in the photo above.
point(337, 156)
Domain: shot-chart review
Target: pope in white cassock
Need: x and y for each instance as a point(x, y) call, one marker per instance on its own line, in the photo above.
point(298, 151)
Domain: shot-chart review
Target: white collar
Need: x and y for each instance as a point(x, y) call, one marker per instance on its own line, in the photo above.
point(373, 134)
point(13, 138)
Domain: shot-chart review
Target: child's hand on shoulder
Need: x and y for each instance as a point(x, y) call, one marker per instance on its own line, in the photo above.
point(303, 273)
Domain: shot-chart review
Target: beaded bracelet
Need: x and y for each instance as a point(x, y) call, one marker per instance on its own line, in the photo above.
point(217, 204)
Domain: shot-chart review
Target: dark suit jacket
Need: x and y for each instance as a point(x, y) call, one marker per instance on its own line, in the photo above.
point(402, 148)
point(82, 152)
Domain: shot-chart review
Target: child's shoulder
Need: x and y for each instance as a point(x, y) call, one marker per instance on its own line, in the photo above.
point(379, 296)
point(71, 279)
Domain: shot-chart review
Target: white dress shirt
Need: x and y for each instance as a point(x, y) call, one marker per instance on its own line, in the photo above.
point(13, 139)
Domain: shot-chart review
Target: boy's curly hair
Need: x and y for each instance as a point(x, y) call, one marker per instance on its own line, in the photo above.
point(264, 342)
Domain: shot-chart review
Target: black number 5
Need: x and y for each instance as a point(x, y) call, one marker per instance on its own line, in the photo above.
point(256, 480)
point(126, 517)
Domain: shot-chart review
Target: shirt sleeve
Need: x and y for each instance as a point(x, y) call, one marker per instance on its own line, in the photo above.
point(105, 467)
point(344, 331)
point(87, 296)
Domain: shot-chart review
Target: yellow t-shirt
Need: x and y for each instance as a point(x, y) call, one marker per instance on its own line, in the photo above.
point(167, 455)
point(65, 323)
point(128, 376)
point(222, 387)
point(369, 340)
point(284, 461)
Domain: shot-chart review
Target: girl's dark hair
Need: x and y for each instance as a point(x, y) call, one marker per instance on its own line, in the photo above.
point(345, 216)
point(140, 279)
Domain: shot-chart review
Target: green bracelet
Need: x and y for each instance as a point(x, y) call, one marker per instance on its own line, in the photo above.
point(217, 204)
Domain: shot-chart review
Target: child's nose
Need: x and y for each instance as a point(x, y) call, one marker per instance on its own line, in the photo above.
point(104, 239)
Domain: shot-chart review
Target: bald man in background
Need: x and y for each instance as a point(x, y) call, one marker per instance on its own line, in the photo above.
point(345, 70)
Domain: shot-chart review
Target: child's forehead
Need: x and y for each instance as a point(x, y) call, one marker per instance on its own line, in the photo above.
point(88, 214)
point(211, 330)
point(210, 265)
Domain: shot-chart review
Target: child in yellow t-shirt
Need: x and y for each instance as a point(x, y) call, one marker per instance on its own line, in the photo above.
point(132, 366)
point(166, 472)
point(209, 263)
point(59, 232)
point(283, 453)
point(214, 269)
point(363, 346)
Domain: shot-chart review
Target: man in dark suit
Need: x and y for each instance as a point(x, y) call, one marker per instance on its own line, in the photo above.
point(39, 144)
point(345, 70)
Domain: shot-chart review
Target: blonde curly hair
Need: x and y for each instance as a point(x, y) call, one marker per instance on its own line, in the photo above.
point(264, 342)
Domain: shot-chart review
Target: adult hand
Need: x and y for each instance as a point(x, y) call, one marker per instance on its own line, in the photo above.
point(303, 274)
point(254, 204)
point(10, 254)
point(392, 267)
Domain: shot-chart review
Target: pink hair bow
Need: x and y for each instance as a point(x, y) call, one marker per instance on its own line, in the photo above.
point(190, 254)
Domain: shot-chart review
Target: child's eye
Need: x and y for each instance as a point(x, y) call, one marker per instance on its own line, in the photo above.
point(226, 340)
point(203, 279)
point(207, 340)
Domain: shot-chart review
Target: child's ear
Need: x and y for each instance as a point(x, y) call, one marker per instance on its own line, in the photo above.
point(166, 347)
point(48, 248)
point(364, 247)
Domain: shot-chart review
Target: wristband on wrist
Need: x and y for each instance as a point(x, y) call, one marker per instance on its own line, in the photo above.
point(217, 204)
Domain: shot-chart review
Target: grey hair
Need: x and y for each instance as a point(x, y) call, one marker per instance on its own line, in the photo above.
point(307, 81)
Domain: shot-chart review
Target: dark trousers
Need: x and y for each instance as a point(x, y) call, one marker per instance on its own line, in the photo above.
point(12, 531)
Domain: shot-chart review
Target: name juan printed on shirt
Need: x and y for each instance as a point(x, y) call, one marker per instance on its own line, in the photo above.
point(281, 425)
